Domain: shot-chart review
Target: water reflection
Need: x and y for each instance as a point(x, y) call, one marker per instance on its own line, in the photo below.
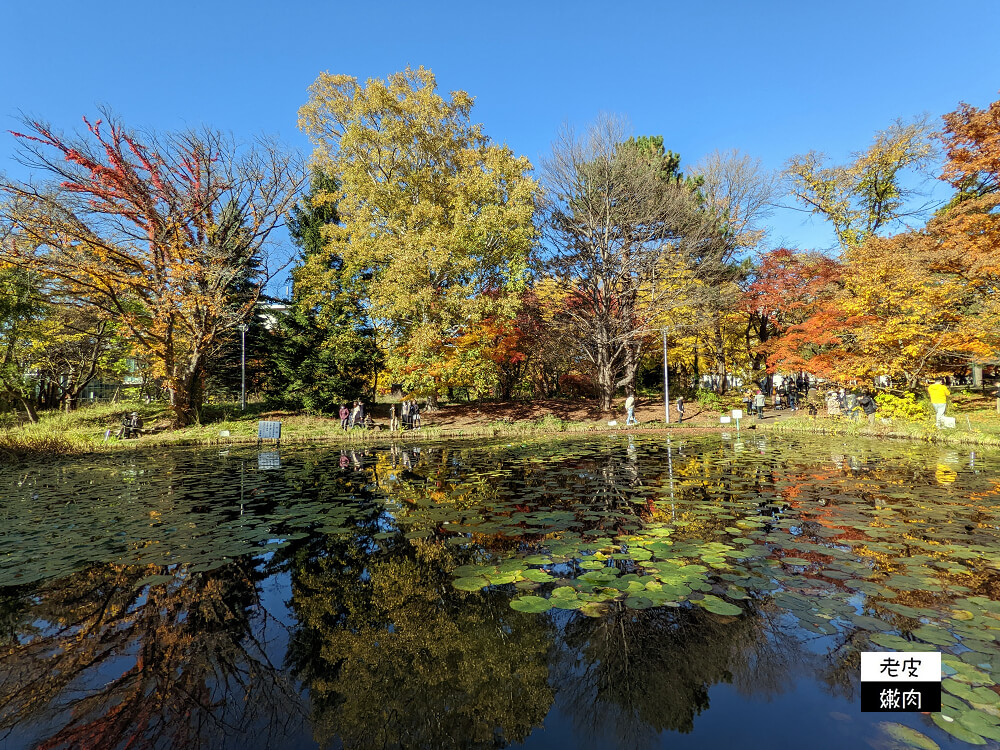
point(363, 598)
point(103, 658)
point(393, 656)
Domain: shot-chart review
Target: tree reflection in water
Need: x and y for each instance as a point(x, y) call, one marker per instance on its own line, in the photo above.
point(393, 656)
point(96, 660)
point(161, 638)
point(627, 676)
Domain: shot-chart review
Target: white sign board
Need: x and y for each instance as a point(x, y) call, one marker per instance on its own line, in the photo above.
point(725, 420)
point(737, 414)
point(901, 666)
point(269, 430)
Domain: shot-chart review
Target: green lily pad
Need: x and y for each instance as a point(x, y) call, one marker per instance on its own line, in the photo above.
point(719, 607)
point(911, 737)
point(502, 578)
point(472, 583)
point(639, 602)
point(536, 575)
point(952, 727)
point(980, 723)
point(530, 604)
point(567, 603)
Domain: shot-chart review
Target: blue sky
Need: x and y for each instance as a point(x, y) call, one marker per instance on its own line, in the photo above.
point(770, 78)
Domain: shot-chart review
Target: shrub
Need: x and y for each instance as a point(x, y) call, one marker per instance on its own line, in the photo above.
point(905, 407)
point(551, 422)
point(709, 399)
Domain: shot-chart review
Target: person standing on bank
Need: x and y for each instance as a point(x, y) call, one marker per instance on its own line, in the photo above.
point(758, 401)
point(630, 410)
point(393, 422)
point(868, 406)
point(415, 414)
point(680, 409)
point(939, 393)
point(345, 414)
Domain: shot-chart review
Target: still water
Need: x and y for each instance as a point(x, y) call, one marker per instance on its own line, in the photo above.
point(608, 592)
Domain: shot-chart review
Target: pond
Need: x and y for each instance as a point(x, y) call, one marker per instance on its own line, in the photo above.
point(604, 592)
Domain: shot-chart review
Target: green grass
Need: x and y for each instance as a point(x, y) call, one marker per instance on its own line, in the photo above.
point(82, 431)
point(976, 423)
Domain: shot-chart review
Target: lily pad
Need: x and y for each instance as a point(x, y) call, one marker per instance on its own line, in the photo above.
point(910, 736)
point(472, 583)
point(530, 604)
point(719, 607)
point(955, 729)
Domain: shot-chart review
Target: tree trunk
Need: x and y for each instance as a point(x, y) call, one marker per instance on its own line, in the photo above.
point(631, 367)
point(29, 408)
point(720, 357)
point(605, 384)
point(697, 368)
point(185, 394)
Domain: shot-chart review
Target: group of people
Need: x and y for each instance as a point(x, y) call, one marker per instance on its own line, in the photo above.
point(356, 417)
point(408, 416)
point(784, 396)
point(851, 404)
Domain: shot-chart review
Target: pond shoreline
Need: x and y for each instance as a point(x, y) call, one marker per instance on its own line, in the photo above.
point(15, 447)
point(81, 433)
point(918, 432)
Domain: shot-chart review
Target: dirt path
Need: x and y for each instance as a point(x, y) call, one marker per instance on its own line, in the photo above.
point(461, 416)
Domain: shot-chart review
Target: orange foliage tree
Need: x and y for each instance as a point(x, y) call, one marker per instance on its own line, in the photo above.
point(790, 306)
point(964, 239)
point(164, 234)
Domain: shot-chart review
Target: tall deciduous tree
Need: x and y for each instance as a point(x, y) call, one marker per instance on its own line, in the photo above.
point(739, 190)
point(164, 233)
point(433, 214)
point(624, 241)
point(868, 193)
point(786, 290)
point(965, 237)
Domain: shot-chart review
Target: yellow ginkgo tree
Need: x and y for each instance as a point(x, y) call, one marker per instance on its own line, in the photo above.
point(436, 219)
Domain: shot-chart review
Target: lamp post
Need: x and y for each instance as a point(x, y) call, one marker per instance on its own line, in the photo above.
point(666, 380)
point(243, 366)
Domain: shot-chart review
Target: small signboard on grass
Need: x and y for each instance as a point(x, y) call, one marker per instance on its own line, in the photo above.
point(268, 431)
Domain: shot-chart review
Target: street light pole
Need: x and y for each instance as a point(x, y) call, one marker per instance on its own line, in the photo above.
point(666, 380)
point(243, 366)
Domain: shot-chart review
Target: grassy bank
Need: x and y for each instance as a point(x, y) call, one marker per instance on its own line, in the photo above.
point(976, 423)
point(83, 431)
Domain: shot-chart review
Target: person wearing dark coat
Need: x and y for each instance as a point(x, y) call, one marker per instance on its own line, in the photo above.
point(868, 406)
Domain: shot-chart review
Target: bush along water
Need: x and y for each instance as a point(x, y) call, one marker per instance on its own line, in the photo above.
point(905, 408)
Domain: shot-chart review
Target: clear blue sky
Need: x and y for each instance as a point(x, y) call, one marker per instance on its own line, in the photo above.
point(769, 78)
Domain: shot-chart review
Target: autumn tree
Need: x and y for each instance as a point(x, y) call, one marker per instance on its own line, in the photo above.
point(908, 320)
point(158, 232)
point(436, 219)
point(22, 313)
point(77, 343)
point(623, 241)
point(965, 236)
point(868, 193)
point(739, 190)
point(789, 295)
